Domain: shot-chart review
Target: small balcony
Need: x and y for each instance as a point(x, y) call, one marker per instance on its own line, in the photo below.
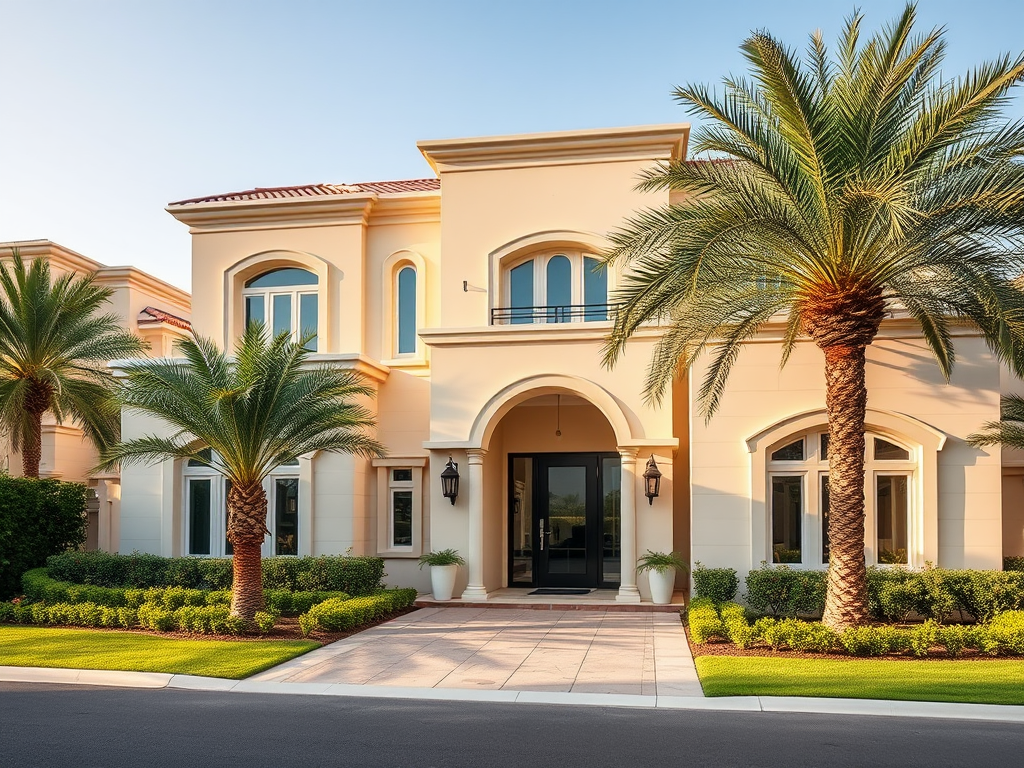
point(565, 313)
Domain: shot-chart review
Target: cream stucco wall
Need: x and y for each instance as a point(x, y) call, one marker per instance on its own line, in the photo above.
point(962, 525)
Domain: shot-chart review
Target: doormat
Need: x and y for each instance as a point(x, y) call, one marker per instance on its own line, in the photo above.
point(559, 591)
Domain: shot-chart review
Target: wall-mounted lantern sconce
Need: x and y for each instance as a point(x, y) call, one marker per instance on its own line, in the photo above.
point(450, 481)
point(652, 480)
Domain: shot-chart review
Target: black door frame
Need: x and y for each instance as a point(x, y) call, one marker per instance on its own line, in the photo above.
point(594, 577)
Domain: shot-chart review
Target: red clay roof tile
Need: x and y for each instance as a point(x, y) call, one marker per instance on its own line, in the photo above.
point(320, 190)
point(154, 315)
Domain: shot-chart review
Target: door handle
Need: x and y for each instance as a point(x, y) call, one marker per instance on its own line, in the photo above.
point(543, 534)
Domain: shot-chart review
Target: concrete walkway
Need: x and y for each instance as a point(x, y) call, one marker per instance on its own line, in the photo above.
point(592, 652)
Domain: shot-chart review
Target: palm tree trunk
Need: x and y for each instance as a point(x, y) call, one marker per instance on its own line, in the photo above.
point(846, 398)
point(37, 402)
point(247, 527)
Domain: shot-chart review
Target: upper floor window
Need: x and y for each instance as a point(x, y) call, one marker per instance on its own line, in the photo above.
point(560, 287)
point(286, 301)
point(405, 311)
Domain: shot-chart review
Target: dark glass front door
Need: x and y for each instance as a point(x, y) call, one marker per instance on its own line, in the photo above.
point(564, 520)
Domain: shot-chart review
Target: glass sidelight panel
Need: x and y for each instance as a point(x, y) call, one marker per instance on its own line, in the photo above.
point(282, 304)
point(566, 525)
point(787, 516)
point(892, 513)
point(286, 516)
point(611, 519)
point(522, 521)
point(199, 517)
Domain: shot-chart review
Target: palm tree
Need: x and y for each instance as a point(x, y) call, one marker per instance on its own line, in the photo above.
point(1009, 430)
point(841, 190)
point(244, 417)
point(54, 349)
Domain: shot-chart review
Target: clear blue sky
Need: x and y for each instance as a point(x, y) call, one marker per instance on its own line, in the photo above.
point(110, 110)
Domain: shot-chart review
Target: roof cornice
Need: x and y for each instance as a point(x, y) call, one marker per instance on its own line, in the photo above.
point(57, 255)
point(278, 213)
point(607, 145)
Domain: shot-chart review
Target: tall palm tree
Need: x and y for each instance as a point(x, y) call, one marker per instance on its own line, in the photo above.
point(54, 347)
point(244, 417)
point(844, 189)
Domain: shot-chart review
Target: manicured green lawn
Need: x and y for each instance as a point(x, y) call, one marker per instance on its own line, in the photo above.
point(94, 649)
point(979, 682)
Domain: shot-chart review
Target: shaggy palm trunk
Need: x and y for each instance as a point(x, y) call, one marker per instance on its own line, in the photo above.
point(37, 402)
point(247, 527)
point(843, 325)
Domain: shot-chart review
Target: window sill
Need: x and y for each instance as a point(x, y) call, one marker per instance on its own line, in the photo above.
point(406, 362)
point(399, 554)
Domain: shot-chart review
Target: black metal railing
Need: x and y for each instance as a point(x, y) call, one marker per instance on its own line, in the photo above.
point(565, 313)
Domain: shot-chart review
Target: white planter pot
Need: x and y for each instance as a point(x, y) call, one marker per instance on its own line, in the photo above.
point(442, 581)
point(662, 585)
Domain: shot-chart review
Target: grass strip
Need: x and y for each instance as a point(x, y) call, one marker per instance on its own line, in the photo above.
point(129, 651)
point(975, 682)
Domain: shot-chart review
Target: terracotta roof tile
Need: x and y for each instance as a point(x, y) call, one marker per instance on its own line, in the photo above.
point(153, 315)
point(320, 190)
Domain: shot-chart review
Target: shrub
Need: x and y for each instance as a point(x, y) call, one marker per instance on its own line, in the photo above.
point(716, 584)
point(771, 631)
point(704, 621)
point(265, 621)
point(895, 593)
point(38, 518)
point(1005, 632)
point(813, 637)
point(153, 616)
point(352, 575)
point(782, 591)
point(283, 601)
point(955, 639)
point(875, 641)
point(921, 638)
point(338, 615)
point(1013, 563)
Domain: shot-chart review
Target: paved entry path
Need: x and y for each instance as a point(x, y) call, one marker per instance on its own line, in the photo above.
point(503, 649)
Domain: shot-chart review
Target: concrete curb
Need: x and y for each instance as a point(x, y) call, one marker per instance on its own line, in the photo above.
point(774, 704)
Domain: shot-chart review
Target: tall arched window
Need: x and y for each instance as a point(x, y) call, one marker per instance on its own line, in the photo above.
point(287, 301)
point(798, 500)
point(405, 310)
point(564, 286)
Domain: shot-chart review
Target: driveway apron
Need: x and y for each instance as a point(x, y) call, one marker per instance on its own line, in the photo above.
point(591, 651)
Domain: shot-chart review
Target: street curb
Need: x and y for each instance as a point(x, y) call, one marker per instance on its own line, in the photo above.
point(768, 704)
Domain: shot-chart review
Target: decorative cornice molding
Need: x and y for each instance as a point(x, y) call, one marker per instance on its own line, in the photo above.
point(491, 335)
point(281, 213)
point(650, 142)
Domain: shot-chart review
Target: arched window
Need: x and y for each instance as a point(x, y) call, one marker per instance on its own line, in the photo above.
point(205, 518)
point(798, 500)
point(286, 300)
point(405, 311)
point(565, 286)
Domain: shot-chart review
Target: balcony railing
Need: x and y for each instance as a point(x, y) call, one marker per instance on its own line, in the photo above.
point(565, 313)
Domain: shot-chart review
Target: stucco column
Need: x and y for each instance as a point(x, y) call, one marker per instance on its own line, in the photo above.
point(628, 593)
point(475, 557)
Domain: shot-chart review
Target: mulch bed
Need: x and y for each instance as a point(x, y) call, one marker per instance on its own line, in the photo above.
point(286, 628)
point(725, 648)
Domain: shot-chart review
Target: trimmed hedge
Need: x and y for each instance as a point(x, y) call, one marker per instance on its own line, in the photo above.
point(38, 587)
point(1013, 563)
point(782, 591)
point(716, 584)
point(38, 518)
point(352, 575)
point(339, 615)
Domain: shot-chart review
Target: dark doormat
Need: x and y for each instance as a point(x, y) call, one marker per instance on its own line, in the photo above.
point(559, 591)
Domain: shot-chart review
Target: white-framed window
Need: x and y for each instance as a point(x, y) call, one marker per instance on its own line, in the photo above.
point(400, 506)
point(286, 300)
point(205, 518)
point(405, 311)
point(561, 286)
point(797, 497)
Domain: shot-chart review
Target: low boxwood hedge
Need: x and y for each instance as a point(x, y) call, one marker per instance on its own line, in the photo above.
point(339, 615)
point(352, 575)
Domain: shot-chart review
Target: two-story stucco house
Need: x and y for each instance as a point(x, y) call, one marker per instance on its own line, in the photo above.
point(144, 305)
point(471, 301)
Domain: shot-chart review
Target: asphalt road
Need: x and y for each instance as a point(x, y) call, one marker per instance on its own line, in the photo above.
point(80, 727)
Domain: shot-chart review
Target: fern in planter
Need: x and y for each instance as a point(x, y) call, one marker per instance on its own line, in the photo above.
point(660, 562)
point(444, 557)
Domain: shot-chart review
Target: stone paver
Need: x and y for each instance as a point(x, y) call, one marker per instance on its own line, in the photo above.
point(580, 652)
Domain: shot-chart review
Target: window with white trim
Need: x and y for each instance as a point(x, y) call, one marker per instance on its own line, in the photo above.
point(286, 300)
point(798, 500)
point(205, 518)
point(400, 505)
point(558, 287)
